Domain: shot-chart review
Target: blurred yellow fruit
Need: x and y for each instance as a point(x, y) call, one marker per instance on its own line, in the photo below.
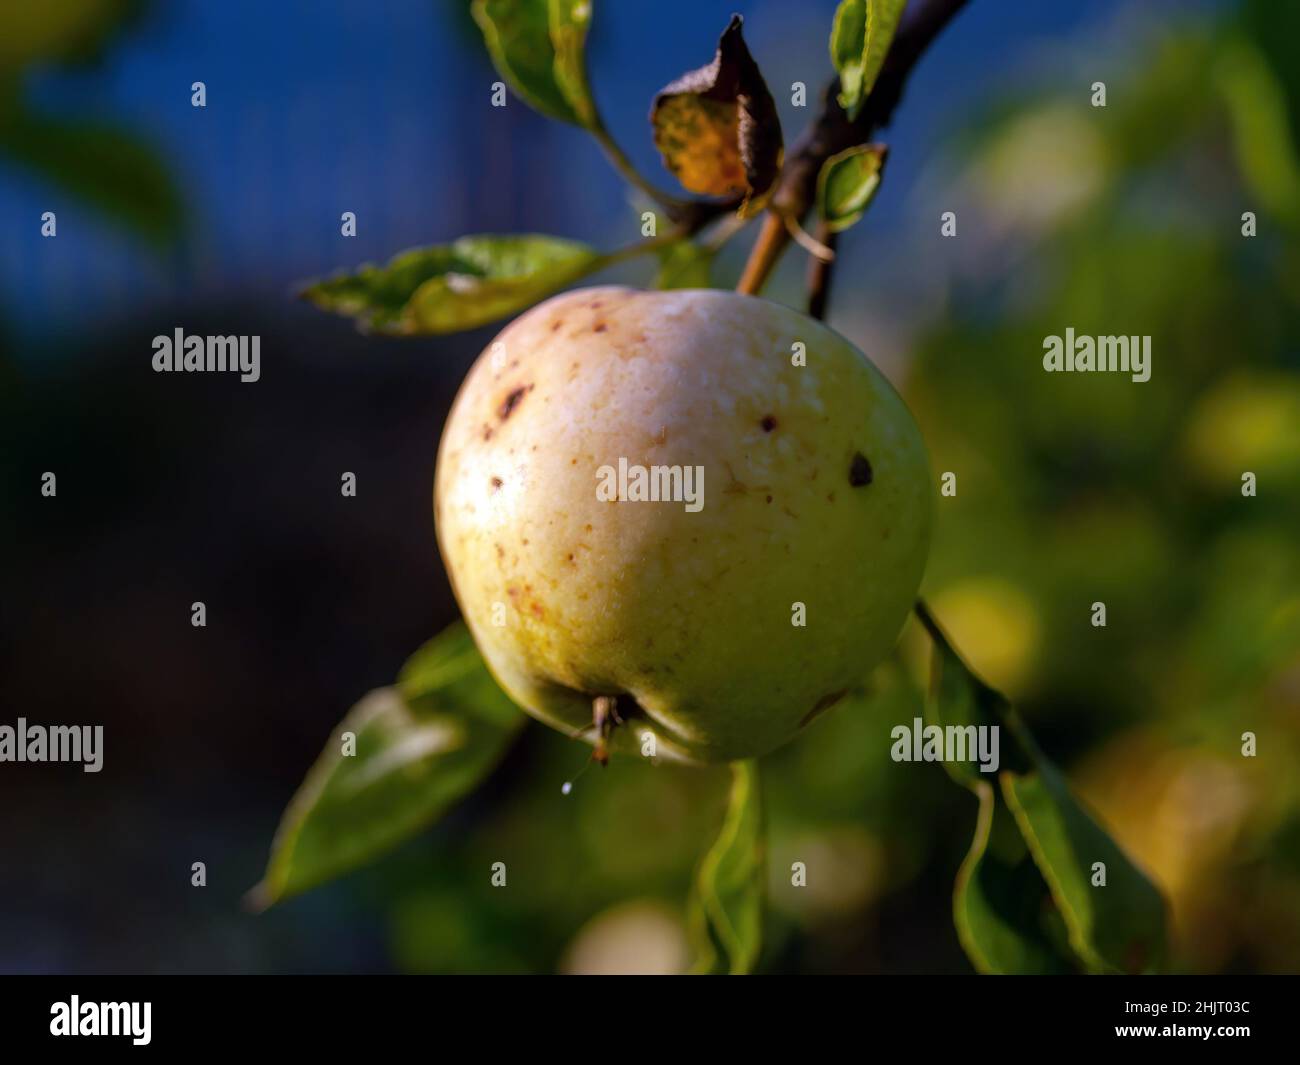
point(1249, 422)
point(995, 625)
point(641, 938)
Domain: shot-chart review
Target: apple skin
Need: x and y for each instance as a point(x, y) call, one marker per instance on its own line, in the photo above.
point(688, 614)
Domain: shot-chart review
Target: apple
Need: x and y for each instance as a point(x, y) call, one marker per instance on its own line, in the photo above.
point(680, 523)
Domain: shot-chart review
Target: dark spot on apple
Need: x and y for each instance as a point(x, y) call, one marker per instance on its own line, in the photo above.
point(823, 704)
point(768, 423)
point(487, 432)
point(769, 499)
point(496, 483)
point(599, 327)
point(860, 470)
point(555, 325)
point(512, 400)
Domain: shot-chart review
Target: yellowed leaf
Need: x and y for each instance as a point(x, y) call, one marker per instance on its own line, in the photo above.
point(717, 127)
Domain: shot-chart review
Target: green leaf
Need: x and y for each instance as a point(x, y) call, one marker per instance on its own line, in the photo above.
point(860, 39)
point(420, 746)
point(1006, 917)
point(538, 47)
point(717, 127)
point(685, 265)
point(104, 166)
point(1119, 927)
point(449, 287)
point(960, 699)
point(847, 184)
point(1001, 905)
point(569, 22)
point(725, 913)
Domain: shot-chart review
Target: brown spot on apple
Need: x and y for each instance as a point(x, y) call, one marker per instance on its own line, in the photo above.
point(860, 472)
point(823, 704)
point(512, 400)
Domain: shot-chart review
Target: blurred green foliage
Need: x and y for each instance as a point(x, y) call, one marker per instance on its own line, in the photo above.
point(61, 31)
point(1081, 489)
point(1072, 490)
point(100, 164)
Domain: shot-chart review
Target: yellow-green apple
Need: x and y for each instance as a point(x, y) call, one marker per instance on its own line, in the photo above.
point(703, 513)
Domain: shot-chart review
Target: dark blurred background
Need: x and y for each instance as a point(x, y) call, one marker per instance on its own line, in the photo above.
point(176, 488)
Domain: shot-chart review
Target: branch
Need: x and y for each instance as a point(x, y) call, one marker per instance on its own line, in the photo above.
point(763, 256)
point(833, 132)
point(819, 274)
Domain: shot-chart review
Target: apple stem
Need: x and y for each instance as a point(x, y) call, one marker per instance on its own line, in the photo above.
point(604, 715)
point(832, 131)
point(819, 275)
